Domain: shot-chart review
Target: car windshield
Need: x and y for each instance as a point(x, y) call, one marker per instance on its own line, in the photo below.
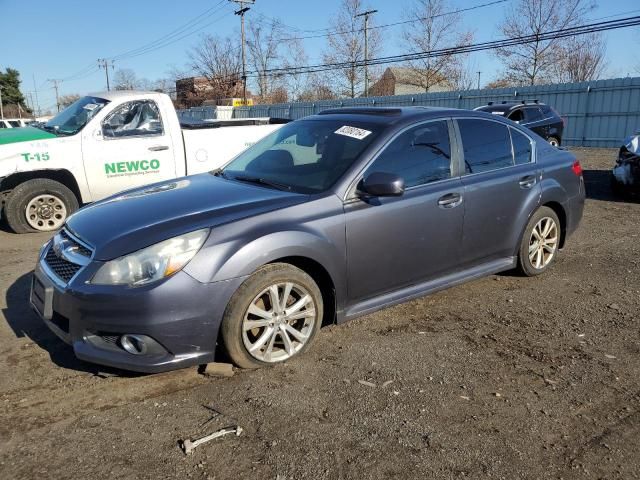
point(306, 156)
point(73, 118)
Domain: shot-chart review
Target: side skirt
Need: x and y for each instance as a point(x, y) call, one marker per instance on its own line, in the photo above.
point(421, 289)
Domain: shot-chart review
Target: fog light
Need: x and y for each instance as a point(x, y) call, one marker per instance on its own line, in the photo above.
point(134, 344)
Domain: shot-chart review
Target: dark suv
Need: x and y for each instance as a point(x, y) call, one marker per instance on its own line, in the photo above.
point(536, 116)
point(330, 217)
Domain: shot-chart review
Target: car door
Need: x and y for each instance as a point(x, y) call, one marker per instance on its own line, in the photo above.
point(397, 241)
point(501, 188)
point(132, 148)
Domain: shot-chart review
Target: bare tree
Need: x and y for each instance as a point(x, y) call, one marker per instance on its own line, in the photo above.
point(579, 59)
point(534, 63)
point(219, 61)
point(434, 27)
point(125, 79)
point(66, 100)
point(346, 45)
point(264, 45)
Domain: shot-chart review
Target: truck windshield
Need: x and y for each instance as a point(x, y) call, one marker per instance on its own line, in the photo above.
point(73, 118)
point(306, 156)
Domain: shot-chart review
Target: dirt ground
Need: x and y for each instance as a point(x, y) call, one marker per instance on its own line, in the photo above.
point(504, 377)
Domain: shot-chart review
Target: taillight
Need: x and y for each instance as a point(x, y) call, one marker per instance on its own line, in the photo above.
point(577, 168)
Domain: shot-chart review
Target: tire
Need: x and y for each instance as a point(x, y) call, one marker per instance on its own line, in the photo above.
point(536, 263)
point(256, 293)
point(50, 201)
point(554, 141)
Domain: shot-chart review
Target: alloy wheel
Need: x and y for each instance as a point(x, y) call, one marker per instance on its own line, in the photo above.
point(278, 322)
point(543, 243)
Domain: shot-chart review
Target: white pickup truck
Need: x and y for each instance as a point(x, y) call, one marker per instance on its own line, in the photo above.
point(106, 143)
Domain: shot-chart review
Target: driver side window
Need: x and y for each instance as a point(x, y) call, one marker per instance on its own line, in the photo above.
point(133, 119)
point(420, 155)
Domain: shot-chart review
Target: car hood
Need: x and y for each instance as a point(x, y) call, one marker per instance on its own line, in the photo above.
point(138, 218)
point(23, 134)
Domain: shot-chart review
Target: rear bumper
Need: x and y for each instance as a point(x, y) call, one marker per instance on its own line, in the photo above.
point(180, 316)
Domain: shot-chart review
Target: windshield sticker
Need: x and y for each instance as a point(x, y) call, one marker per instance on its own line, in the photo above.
point(353, 132)
point(91, 106)
point(498, 113)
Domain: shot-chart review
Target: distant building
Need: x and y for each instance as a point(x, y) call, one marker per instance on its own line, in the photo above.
point(405, 81)
point(196, 91)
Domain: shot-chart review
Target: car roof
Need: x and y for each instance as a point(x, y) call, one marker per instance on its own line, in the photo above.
point(390, 115)
point(119, 94)
point(507, 106)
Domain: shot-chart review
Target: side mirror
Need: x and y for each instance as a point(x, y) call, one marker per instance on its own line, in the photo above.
point(381, 184)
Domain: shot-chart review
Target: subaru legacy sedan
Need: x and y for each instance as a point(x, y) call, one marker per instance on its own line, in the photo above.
point(328, 218)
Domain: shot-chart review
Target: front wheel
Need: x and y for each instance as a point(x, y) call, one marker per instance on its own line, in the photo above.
point(554, 141)
point(273, 317)
point(540, 242)
point(39, 205)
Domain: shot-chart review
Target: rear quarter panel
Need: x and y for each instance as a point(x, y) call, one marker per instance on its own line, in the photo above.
point(560, 184)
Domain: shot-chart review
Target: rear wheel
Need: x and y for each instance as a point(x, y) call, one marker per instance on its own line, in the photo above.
point(273, 317)
point(554, 141)
point(540, 242)
point(39, 205)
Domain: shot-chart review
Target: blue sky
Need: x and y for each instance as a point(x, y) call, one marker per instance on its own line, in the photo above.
point(60, 39)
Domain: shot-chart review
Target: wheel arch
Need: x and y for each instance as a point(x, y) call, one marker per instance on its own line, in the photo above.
point(323, 279)
point(65, 177)
point(562, 216)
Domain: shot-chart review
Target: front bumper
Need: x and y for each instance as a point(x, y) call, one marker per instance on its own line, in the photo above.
point(180, 314)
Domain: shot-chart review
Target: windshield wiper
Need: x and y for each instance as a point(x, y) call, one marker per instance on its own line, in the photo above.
point(259, 181)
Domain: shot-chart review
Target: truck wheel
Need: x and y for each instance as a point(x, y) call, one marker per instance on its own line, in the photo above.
point(273, 316)
point(554, 141)
point(39, 205)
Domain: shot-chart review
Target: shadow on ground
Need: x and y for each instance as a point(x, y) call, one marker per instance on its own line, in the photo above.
point(598, 187)
point(25, 323)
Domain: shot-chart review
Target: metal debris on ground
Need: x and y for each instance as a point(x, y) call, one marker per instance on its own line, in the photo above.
point(189, 446)
point(366, 384)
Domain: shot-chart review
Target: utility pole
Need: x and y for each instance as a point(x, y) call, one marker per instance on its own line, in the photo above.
point(1, 109)
point(33, 107)
point(55, 86)
point(104, 63)
point(35, 90)
point(366, 48)
point(479, 80)
point(241, 11)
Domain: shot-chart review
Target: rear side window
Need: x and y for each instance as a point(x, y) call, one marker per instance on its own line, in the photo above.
point(521, 147)
point(533, 114)
point(486, 144)
point(420, 155)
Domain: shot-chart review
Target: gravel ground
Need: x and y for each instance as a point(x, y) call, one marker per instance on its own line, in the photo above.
point(504, 377)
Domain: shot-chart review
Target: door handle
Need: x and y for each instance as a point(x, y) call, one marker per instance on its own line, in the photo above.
point(158, 148)
point(450, 200)
point(528, 181)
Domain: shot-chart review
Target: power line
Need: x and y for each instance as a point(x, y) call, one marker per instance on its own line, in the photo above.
point(387, 25)
point(545, 36)
point(178, 34)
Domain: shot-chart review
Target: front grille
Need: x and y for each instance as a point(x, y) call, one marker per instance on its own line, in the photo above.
point(61, 267)
point(81, 249)
point(64, 269)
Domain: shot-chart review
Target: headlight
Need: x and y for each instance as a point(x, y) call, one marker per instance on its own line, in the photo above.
point(152, 263)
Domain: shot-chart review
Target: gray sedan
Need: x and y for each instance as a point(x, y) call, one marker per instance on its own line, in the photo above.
point(326, 219)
